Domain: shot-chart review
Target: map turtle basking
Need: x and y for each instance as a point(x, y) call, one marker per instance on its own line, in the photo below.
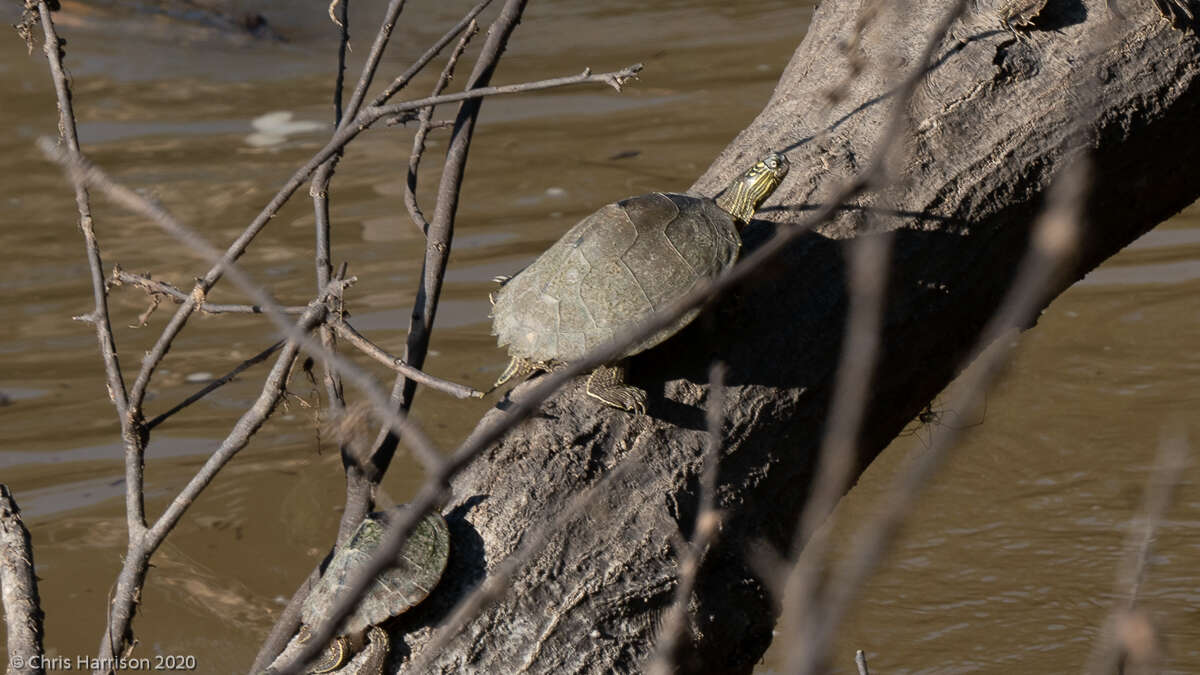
point(616, 267)
point(419, 565)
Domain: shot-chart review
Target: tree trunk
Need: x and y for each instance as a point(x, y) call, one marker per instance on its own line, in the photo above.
point(992, 124)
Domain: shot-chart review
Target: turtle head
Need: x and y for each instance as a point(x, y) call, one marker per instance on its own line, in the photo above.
point(743, 197)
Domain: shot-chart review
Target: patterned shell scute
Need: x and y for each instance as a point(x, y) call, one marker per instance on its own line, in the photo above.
point(610, 270)
point(419, 566)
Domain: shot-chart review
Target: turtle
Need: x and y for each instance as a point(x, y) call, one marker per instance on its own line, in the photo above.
point(418, 568)
point(617, 266)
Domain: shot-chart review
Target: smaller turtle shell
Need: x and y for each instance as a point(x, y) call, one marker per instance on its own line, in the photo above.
point(419, 565)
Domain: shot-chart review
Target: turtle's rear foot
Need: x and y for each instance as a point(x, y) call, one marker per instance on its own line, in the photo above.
point(517, 368)
point(334, 656)
point(607, 383)
point(1178, 12)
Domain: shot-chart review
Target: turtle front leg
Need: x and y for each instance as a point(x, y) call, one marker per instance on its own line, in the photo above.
point(607, 383)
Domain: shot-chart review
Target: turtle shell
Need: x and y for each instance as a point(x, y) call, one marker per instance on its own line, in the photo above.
point(610, 270)
point(419, 566)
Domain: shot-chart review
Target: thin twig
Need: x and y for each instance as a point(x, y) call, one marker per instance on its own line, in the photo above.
point(390, 16)
point(615, 79)
point(342, 20)
point(426, 118)
point(348, 333)
point(860, 662)
point(1128, 633)
point(99, 317)
point(154, 287)
point(18, 591)
point(319, 192)
point(215, 384)
point(436, 48)
point(705, 529)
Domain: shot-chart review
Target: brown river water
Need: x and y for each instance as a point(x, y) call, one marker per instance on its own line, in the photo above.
point(1007, 566)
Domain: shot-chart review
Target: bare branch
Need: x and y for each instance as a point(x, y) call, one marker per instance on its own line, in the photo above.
point(439, 236)
point(137, 559)
point(426, 118)
point(18, 591)
point(390, 15)
point(99, 315)
point(436, 48)
point(319, 192)
point(346, 331)
point(616, 79)
point(156, 288)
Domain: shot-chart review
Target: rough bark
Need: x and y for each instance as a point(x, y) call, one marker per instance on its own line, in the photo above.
point(19, 600)
point(995, 121)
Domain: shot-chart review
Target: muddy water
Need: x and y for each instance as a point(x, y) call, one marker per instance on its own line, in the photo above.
point(1007, 566)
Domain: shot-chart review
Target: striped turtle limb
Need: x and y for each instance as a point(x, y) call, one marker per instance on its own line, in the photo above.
point(607, 384)
point(1179, 12)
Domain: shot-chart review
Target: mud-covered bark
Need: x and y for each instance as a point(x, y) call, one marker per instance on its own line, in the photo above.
point(995, 120)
